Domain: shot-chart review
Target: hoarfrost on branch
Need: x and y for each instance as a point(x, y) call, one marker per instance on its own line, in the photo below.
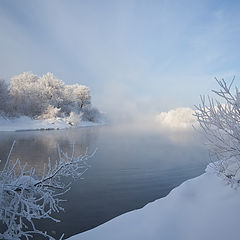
point(220, 123)
point(26, 197)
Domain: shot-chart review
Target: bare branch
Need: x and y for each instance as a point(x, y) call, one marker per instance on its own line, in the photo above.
point(220, 124)
point(25, 197)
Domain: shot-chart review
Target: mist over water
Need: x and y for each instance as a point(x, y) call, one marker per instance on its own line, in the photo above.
point(136, 163)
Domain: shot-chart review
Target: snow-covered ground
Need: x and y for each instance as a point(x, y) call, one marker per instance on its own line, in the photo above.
point(25, 123)
point(203, 208)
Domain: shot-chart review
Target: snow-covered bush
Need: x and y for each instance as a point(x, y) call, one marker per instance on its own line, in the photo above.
point(74, 119)
point(220, 123)
point(26, 197)
point(51, 113)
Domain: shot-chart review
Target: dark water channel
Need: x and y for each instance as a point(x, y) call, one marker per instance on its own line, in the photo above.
point(130, 169)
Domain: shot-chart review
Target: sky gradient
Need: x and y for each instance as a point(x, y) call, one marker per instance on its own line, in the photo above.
point(136, 56)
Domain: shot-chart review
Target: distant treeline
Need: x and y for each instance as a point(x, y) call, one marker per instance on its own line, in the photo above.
point(45, 97)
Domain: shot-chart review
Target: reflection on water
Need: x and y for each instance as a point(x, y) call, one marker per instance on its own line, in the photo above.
point(130, 169)
point(36, 147)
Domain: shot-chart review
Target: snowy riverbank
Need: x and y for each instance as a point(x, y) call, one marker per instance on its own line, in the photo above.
point(26, 124)
point(201, 208)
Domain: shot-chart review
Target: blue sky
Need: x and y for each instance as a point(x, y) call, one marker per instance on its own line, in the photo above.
point(134, 55)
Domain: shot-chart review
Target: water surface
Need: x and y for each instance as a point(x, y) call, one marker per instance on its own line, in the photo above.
point(130, 169)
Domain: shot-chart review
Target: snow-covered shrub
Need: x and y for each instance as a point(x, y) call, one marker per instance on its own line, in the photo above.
point(51, 113)
point(228, 169)
point(74, 118)
point(220, 124)
point(26, 197)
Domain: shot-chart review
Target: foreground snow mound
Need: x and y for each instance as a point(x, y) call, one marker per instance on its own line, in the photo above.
point(25, 123)
point(204, 208)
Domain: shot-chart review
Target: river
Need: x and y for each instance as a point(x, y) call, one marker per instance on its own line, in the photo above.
point(130, 169)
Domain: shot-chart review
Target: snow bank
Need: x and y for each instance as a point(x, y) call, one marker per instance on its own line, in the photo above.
point(25, 123)
point(203, 208)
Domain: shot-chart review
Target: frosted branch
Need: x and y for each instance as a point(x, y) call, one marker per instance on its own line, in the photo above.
point(26, 197)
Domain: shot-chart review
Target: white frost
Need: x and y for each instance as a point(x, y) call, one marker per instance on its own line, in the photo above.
point(25, 197)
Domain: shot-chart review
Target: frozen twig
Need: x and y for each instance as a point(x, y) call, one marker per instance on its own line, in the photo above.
point(220, 124)
point(26, 197)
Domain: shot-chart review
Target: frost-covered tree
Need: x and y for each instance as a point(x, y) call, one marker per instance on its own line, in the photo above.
point(36, 97)
point(32, 95)
point(76, 97)
point(51, 113)
point(24, 94)
point(26, 197)
point(219, 121)
point(4, 97)
point(51, 90)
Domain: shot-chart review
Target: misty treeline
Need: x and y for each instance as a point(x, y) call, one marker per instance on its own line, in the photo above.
point(45, 97)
